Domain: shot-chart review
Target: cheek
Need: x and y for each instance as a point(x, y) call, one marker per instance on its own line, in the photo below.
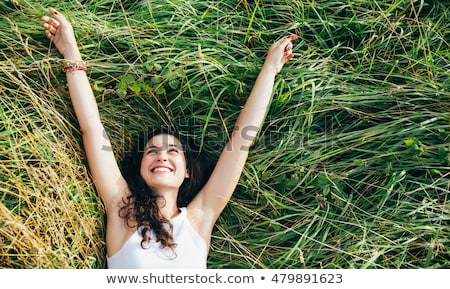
point(182, 165)
point(142, 169)
point(144, 164)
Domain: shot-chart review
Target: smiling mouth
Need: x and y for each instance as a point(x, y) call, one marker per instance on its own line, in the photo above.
point(161, 170)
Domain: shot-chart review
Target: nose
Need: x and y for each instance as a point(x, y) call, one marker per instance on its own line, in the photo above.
point(162, 156)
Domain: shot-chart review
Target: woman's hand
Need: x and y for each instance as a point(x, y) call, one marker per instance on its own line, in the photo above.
point(60, 32)
point(280, 52)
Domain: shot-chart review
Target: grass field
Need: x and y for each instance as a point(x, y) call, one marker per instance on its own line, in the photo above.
point(351, 168)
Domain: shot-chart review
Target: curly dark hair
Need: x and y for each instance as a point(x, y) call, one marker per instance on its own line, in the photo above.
point(141, 205)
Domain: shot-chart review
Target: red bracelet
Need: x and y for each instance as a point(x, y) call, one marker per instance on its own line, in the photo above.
point(73, 65)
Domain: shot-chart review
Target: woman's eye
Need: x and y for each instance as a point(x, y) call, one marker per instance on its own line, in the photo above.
point(151, 152)
point(173, 151)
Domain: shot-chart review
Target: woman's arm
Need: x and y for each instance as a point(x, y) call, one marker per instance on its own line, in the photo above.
point(102, 163)
point(213, 198)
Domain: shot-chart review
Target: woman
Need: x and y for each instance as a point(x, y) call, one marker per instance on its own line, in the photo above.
point(158, 233)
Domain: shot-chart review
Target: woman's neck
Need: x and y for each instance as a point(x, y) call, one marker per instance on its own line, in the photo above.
point(168, 205)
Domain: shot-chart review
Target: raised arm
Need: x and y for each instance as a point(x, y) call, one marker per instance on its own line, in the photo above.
point(213, 198)
point(102, 163)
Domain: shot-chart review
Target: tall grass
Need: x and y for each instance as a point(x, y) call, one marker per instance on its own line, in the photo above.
point(351, 168)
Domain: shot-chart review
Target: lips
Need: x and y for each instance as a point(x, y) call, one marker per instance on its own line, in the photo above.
point(161, 170)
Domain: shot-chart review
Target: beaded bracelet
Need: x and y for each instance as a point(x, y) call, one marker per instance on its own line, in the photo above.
point(73, 65)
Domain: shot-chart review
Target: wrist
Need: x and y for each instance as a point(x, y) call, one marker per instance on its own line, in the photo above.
point(74, 65)
point(72, 55)
point(270, 68)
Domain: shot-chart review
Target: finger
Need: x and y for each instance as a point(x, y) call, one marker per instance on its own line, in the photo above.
point(49, 35)
point(53, 11)
point(55, 23)
point(286, 41)
point(50, 28)
point(288, 46)
point(58, 16)
point(288, 51)
point(289, 54)
point(290, 37)
point(50, 22)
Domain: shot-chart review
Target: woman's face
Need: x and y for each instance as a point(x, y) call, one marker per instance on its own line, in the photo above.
point(163, 165)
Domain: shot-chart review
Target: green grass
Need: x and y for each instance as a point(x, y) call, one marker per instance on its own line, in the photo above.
point(351, 168)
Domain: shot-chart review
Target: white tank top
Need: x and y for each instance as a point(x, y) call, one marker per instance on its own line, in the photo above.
point(190, 252)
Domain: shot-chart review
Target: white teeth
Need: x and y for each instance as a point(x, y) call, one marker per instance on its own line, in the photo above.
point(161, 170)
